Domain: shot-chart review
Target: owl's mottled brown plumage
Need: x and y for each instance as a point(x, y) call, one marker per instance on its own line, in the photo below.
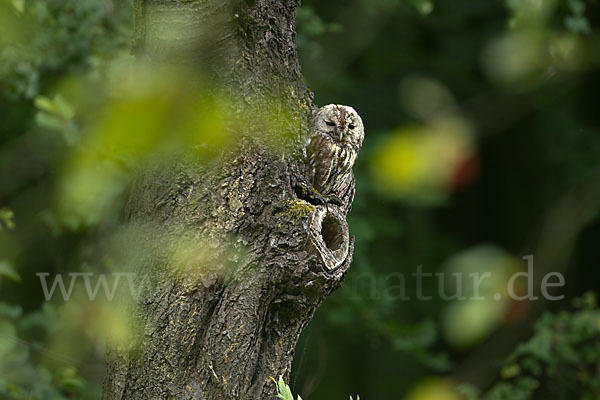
point(337, 137)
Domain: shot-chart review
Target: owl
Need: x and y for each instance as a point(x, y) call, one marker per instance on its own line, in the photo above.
point(336, 139)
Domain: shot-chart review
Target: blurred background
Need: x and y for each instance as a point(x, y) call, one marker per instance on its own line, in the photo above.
point(482, 147)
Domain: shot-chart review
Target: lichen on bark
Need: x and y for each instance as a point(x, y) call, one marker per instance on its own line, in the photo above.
point(298, 209)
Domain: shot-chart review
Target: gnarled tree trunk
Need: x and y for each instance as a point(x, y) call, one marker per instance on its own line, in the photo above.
point(221, 330)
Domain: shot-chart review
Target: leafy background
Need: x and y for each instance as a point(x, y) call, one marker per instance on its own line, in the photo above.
point(482, 146)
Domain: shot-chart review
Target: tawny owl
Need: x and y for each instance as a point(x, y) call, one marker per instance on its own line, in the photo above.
point(337, 137)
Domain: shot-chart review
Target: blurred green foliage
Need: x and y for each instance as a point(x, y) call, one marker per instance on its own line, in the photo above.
point(481, 122)
point(560, 360)
point(45, 351)
point(44, 38)
point(29, 370)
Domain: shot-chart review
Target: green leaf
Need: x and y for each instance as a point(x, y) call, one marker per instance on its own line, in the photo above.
point(19, 5)
point(7, 270)
point(45, 104)
point(57, 106)
point(9, 311)
point(425, 7)
point(64, 109)
point(510, 371)
point(49, 121)
point(577, 7)
point(284, 389)
point(577, 24)
point(6, 218)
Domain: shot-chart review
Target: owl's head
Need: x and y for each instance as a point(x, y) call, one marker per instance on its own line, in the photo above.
point(341, 123)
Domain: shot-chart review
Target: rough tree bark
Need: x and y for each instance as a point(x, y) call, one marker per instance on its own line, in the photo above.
point(271, 258)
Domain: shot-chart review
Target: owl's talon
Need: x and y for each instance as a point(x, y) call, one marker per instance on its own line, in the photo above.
point(305, 191)
point(316, 198)
point(333, 199)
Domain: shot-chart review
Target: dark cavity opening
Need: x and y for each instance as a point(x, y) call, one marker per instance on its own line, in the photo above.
point(331, 230)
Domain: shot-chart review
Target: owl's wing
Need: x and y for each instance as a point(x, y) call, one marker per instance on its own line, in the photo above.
point(347, 192)
point(319, 161)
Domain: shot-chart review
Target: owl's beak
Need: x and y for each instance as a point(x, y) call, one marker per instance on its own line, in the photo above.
point(341, 135)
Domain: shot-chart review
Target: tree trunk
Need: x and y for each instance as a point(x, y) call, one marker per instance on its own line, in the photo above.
point(264, 259)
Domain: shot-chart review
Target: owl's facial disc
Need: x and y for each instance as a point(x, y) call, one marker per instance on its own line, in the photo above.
point(337, 131)
point(340, 123)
